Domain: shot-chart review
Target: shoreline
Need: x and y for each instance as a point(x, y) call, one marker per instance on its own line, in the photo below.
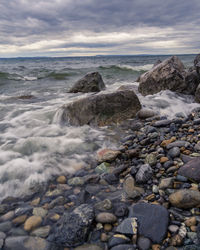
point(55, 217)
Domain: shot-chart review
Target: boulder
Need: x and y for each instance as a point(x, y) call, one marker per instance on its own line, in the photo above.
point(191, 169)
point(166, 75)
point(192, 80)
point(169, 74)
point(197, 63)
point(102, 109)
point(197, 94)
point(73, 229)
point(91, 82)
point(149, 220)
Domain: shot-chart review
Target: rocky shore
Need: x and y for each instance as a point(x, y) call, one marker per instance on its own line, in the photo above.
point(143, 195)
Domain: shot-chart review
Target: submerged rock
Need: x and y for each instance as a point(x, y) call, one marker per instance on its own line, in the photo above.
point(149, 220)
point(102, 109)
point(74, 227)
point(91, 82)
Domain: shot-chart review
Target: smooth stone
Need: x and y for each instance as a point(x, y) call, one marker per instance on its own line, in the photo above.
point(191, 169)
point(146, 113)
point(102, 168)
point(32, 222)
point(61, 179)
point(55, 192)
point(23, 210)
point(26, 243)
point(16, 231)
point(179, 144)
point(107, 155)
point(128, 226)
point(130, 189)
point(121, 210)
point(118, 239)
point(88, 247)
point(185, 198)
point(39, 211)
point(74, 227)
point(103, 205)
point(20, 219)
point(144, 174)
point(149, 221)
point(162, 123)
point(106, 218)
point(166, 183)
point(173, 228)
point(151, 159)
point(42, 232)
point(191, 221)
point(76, 181)
point(5, 226)
point(7, 216)
point(123, 247)
point(174, 152)
point(143, 243)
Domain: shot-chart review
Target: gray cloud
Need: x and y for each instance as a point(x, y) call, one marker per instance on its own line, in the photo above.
point(69, 27)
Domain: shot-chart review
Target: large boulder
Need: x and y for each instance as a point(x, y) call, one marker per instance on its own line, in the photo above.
point(197, 63)
point(92, 82)
point(102, 109)
point(169, 74)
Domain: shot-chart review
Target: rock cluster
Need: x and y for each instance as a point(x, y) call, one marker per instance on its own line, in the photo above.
point(145, 195)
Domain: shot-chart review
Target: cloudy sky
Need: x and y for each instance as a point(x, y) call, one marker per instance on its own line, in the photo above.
point(98, 27)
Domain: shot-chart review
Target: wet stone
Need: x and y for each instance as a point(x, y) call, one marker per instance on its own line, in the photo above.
point(123, 247)
point(20, 219)
point(16, 231)
point(5, 226)
point(151, 159)
point(143, 243)
point(103, 205)
point(102, 168)
point(23, 210)
point(130, 189)
point(32, 222)
point(42, 232)
point(118, 239)
point(148, 215)
point(128, 226)
point(144, 174)
point(179, 144)
point(191, 169)
point(88, 247)
point(26, 243)
point(39, 211)
point(106, 218)
point(121, 210)
point(185, 198)
point(74, 227)
point(174, 152)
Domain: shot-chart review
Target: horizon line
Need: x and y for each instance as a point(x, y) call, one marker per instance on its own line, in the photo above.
point(109, 55)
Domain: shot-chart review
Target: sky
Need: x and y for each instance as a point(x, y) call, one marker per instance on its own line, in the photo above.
point(98, 27)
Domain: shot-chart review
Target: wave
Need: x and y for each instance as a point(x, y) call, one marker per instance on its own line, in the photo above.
point(127, 68)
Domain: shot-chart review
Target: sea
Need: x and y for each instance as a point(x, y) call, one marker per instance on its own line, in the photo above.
point(35, 146)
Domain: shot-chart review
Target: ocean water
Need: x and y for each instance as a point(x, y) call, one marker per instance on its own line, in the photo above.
point(34, 144)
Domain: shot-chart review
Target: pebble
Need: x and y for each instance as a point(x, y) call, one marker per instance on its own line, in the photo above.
point(144, 243)
point(32, 222)
point(191, 221)
point(144, 173)
point(106, 218)
point(20, 219)
point(39, 211)
point(61, 179)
